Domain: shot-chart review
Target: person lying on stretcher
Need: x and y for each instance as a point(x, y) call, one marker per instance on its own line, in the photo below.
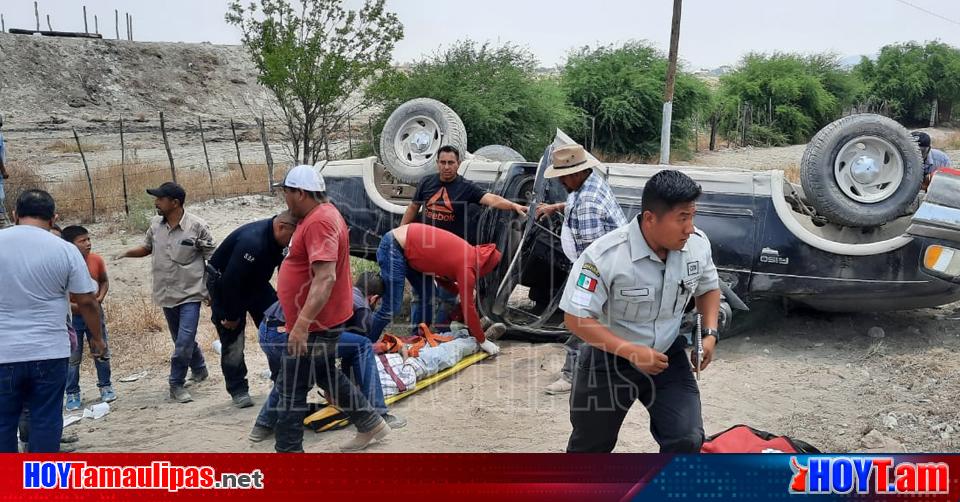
point(401, 370)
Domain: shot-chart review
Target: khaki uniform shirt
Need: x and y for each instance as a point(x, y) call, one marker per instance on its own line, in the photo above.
point(621, 282)
point(178, 255)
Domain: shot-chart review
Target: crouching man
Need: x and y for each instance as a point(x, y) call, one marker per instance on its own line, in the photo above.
point(415, 252)
point(625, 298)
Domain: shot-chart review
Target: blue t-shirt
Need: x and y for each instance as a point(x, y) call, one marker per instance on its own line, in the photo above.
point(935, 160)
point(39, 269)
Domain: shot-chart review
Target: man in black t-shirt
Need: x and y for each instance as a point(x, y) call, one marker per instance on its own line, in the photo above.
point(445, 198)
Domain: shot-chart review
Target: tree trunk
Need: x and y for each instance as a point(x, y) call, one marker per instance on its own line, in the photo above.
point(933, 113)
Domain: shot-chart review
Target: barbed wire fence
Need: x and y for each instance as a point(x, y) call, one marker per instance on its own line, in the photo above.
point(103, 170)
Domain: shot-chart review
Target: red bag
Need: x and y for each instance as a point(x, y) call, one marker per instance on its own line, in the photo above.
point(744, 439)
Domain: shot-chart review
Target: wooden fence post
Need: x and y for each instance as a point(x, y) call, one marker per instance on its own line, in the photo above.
point(85, 29)
point(203, 141)
point(36, 12)
point(131, 27)
point(116, 22)
point(593, 132)
point(350, 137)
point(166, 144)
point(326, 141)
point(266, 153)
point(123, 170)
point(93, 199)
point(3, 24)
point(49, 27)
point(373, 137)
point(237, 144)
point(96, 24)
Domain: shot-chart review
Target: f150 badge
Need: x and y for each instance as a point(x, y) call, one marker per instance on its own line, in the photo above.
point(769, 255)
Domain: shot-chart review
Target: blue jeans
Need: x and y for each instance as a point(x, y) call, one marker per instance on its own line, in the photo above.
point(357, 361)
point(182, 321)
point(297, 376)
point(37, 386)
point(394, 271)
point(103, 366)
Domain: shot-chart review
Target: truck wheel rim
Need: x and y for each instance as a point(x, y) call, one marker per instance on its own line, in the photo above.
point(417, 141)
point(868, 169)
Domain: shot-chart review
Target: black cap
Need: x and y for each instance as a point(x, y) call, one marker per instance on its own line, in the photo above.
point(171, 190)
point(922, 138)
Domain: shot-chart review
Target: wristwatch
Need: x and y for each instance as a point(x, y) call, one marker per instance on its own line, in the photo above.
point(711, 332)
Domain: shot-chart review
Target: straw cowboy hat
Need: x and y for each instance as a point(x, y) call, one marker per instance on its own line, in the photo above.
point(569, 159)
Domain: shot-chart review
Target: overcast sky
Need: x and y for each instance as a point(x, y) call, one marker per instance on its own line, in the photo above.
point(713, 32)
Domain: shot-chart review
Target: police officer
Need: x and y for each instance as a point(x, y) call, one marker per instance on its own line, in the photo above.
point(238, 276)
point(625, 298)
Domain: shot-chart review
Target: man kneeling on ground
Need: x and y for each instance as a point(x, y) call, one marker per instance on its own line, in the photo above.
point(355, 353)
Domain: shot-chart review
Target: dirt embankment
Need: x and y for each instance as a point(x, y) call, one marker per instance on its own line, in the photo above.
point(59, 82)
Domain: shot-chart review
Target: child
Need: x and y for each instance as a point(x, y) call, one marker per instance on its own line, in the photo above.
point(80, 237)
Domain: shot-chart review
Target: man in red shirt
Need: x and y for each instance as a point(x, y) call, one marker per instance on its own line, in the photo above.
point(410, 251)
point(315, 289)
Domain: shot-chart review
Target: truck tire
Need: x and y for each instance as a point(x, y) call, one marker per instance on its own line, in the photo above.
point(499, 153)
point(861, 171)
point(414, 132)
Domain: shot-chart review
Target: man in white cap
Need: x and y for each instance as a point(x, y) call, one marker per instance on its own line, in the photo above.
point(590, 211)
point(315, 288)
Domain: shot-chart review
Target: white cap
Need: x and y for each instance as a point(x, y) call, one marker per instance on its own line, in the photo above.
point(303, 177)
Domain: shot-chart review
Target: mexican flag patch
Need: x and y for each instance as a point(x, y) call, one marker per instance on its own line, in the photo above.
point(587, 283)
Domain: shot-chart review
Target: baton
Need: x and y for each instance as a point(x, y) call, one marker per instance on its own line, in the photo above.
point(699, 345)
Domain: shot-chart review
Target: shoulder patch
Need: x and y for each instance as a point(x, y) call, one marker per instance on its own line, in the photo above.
point(590, 267)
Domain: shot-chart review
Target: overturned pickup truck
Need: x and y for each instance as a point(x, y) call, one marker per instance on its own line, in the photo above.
point(856, 235)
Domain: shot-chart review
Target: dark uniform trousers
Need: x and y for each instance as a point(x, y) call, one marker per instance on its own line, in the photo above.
point(232, 362)
point(605, 386)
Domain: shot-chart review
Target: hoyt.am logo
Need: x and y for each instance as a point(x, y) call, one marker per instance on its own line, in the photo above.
point(877, 475)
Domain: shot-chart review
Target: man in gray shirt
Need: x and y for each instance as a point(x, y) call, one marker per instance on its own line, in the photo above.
point(179, 242)
point(39, 270)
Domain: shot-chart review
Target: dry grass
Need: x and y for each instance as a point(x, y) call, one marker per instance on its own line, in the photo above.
point(952, 141)
point(792, 172)
point(73, 193)
point(66, 146)
point(137, 333)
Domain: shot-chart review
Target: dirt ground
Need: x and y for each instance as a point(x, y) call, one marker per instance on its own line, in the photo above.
point(818, 377)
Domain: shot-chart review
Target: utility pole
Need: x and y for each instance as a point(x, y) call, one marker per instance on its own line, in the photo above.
point(671, 80)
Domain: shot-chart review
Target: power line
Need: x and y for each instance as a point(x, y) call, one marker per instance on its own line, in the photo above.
point(934, 14)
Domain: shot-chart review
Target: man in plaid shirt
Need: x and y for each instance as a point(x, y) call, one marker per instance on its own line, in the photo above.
point(590, 211)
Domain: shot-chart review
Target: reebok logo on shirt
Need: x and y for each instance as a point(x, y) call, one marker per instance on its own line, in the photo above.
point(439, 207)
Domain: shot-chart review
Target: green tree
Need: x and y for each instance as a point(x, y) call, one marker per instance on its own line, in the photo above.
point(784, 98)
point(622, 88)
point(312, 57)
point(496, 90)
point(910, 78)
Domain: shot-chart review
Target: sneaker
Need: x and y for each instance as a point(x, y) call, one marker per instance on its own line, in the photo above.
point(260, 433)
point(364, 439)
point(394, 421)
point(200, 375)
point(107, 394)
point(242, 400)
point(73, 402)
point(561, 386)
point(495, 331)
point(179, 394)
